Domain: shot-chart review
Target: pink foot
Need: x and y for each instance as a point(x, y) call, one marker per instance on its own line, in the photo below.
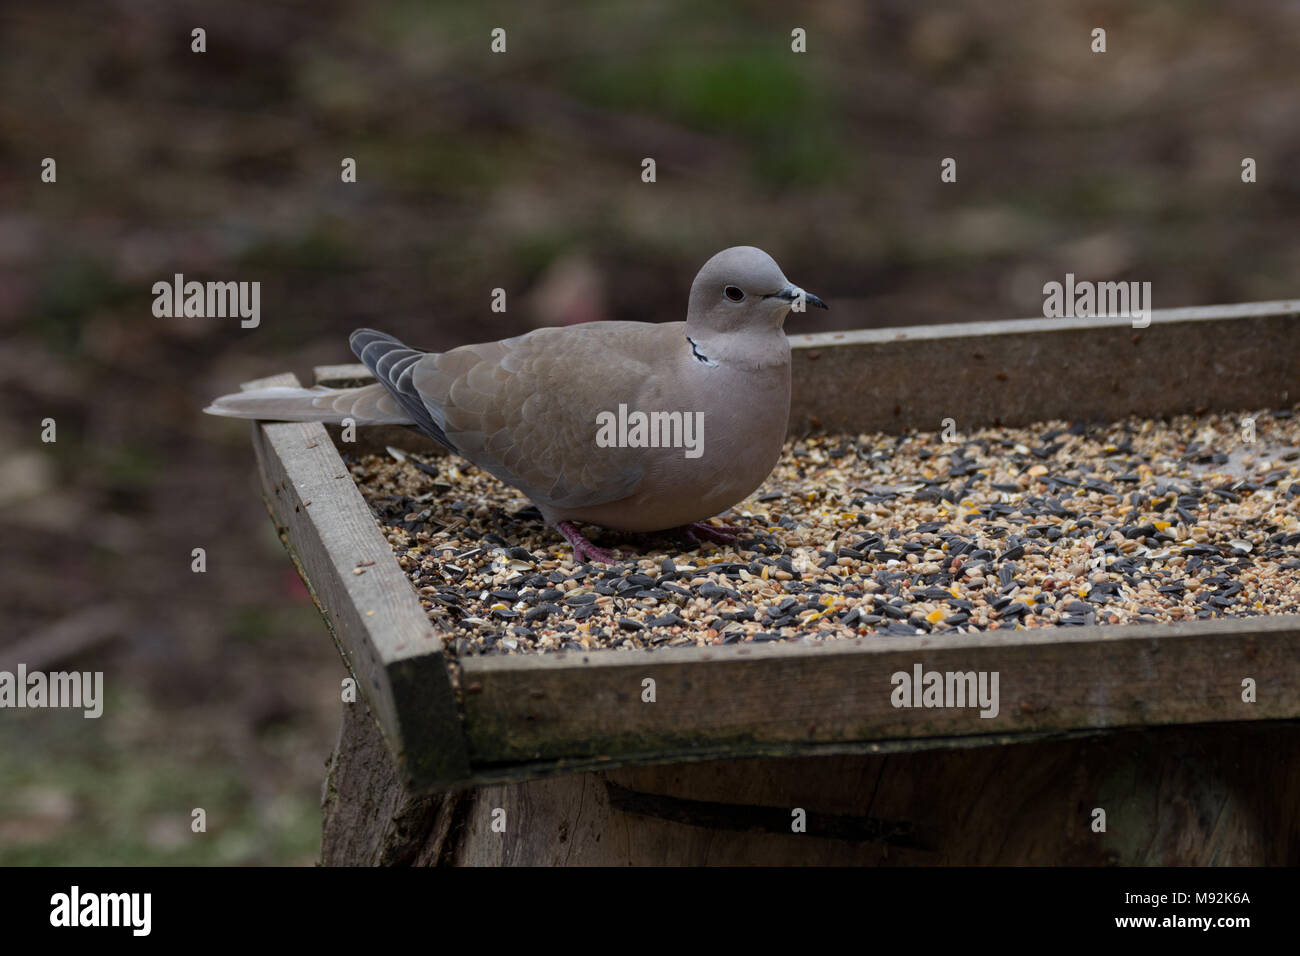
point(700, 531)
point(584, 550)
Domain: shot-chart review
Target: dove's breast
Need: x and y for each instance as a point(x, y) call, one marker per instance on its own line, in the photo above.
point(738, 417)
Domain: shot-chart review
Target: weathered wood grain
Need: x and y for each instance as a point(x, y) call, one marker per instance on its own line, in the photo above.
point(789, 698)
point(342, 376)
point(1016, 372)
point(1225, 794)
point(1176, 796)
point(385, 638)
point(369, 818)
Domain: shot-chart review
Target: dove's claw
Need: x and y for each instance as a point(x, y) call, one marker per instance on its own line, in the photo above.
point(699, 531)
point(584, 550)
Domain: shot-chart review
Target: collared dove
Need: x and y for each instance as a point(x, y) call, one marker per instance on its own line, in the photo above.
point(632, 426)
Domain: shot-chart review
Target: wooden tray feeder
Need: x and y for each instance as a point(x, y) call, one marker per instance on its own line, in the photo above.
point(552, 758)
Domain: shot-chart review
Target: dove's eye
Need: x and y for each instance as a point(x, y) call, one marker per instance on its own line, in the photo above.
point(733, 293)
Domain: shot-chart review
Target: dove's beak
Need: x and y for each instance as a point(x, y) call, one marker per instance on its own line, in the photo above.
point(792, 293)
point(813, 300)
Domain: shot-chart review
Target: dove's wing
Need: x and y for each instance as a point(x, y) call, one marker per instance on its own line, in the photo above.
point(525, 409)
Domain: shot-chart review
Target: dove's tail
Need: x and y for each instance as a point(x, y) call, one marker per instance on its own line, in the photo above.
point(394, 400)
point(369, 405)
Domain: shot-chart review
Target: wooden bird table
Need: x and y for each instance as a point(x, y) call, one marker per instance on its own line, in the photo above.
point(787, 753)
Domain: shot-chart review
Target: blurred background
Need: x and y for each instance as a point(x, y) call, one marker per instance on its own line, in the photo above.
point(521, 171)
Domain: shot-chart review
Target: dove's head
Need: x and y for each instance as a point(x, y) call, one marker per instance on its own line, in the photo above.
point(743, 289)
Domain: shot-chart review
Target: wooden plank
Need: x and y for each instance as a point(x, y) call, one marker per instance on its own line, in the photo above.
point(1186, 796)
point(1235, 789)
point(342, 376)
point(788, 698)
point(383, 634)
point(1021, 371)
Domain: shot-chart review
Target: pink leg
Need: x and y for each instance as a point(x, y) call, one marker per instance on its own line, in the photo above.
point(584, 550)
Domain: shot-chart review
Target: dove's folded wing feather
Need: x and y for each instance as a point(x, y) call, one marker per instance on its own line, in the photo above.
point(525, 409)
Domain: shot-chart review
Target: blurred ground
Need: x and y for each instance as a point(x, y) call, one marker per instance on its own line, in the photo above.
point(519, 171)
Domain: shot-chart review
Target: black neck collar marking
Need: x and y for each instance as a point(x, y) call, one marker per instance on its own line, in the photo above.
point(700, 356)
